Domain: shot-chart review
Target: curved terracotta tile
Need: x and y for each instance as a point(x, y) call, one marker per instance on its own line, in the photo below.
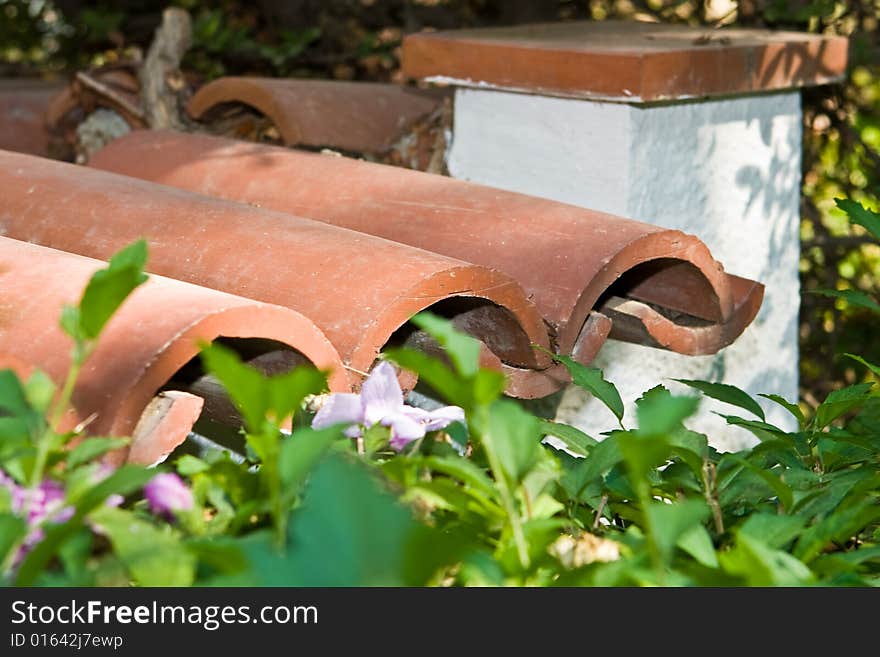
point(363, 117)
point(153, 336)
point(635, 321)
point(568, 259)
point(23, 105)
point(357, 288)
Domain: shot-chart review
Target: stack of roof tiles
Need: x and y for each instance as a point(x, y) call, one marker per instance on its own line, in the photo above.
point(293, 256)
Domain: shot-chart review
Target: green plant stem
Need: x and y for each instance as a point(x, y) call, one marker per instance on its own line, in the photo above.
point(507, 499)
point(57, 414)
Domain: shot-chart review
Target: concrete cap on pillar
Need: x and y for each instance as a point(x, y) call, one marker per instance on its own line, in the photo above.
point(626, 61)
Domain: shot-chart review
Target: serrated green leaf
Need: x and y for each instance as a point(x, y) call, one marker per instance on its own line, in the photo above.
point(875, 370)
point(794, 409)
point(859, 214)
point(109, 287)
point(783, 491)
point(593, 381)
point(575, 440)
point(660, 413)
point(726, 393)
point(839, 402)
point(837, 527)
point(762, 430)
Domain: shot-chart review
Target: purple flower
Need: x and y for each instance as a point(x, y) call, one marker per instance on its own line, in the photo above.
point(166, 493)
point(44, 503)
point(381, 402)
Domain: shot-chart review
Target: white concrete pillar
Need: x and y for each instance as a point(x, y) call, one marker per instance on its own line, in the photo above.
point(686, 144)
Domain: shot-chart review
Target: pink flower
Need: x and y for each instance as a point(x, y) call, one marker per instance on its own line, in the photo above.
point(381, 402)
point(39, 505)
point(166, 493)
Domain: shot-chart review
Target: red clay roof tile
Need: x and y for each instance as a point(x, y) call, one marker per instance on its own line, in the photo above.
point(569, 260)
point(353, 116)
point(358, 288)
point(154, 335)
point(23, 105)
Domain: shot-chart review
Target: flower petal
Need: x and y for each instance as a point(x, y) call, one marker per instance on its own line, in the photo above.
point(404, 429)
point(340, 408)
point(381, 394)
point(443, 417)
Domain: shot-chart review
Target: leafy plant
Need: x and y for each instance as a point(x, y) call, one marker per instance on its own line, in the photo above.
point(382, 493)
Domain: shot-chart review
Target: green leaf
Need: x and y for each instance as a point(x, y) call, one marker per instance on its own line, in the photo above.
point(437, 375)
point(697, 543)
point(154, 556)
point(859, 214)
point(348, 532)
point(123, 481)
point(465, 471)
point(852, 297)
point(12, 529)
point(839, 402)
point(762, 430)
point(794, 409)
point(189, 465)
point(287, 391)
point(91, 448)
point(462, 349)
point(575, 440)
point(515, 437)
point(782, 490)
point(875, 370)
point(838, 527)
point(726, 393)
point(40, 390)
point(591, 470)
point(592, 380)
point(642, 454)
point(670, 522)
point(775, 531)
point(761, 565)
point(109, 287)
point(301, 451)
point(660, 413)
point(13, 399)
point(245, 385)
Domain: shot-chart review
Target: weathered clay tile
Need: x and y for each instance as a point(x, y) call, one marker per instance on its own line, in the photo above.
point(569, 260)
point(351, 116)
point(626, 60)
point(359, 289)
point(23, 105)
point(154, 335)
